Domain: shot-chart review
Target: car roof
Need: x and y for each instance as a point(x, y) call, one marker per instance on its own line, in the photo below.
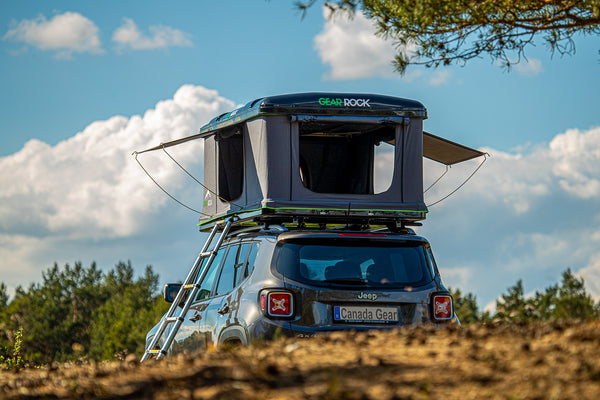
point(282, 234)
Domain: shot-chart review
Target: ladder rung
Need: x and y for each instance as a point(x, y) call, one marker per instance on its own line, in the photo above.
point(174, 319)
point(191, 286)
point(157, 351)
point(206, 254)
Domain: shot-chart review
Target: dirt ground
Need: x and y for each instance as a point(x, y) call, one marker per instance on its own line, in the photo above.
point(538, 361)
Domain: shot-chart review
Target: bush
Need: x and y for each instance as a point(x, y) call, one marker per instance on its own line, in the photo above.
point(10, 356)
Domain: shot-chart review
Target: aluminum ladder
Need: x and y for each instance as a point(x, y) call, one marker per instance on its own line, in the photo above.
point(190, 288)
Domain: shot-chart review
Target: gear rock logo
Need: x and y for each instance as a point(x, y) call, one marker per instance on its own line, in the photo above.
point(327, 101)
point(356, 103)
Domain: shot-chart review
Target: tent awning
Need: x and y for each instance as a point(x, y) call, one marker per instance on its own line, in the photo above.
point(445, 151)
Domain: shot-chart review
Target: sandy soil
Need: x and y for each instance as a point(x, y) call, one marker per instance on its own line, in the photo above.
point(541, 361)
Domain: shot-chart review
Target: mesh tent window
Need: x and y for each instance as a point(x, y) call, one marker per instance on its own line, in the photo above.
point(339, 158)
point(230, 149)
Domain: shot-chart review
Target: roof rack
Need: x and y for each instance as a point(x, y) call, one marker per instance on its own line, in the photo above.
point(317, 219)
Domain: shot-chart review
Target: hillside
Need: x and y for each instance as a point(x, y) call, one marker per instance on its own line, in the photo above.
point(535, 361)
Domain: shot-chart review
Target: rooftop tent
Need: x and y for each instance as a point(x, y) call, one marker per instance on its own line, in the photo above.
point(318, 155)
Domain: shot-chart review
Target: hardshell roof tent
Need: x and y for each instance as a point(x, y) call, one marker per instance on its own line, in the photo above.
point(320, 156)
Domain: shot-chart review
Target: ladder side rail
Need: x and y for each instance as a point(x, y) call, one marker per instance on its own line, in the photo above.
point(191, 298)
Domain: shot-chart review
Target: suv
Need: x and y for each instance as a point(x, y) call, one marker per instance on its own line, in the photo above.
point(319, 189)
point(272, 281)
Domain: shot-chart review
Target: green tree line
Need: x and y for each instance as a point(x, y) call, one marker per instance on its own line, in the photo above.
point(566, 300)
point(78, 312)
point(82, 313)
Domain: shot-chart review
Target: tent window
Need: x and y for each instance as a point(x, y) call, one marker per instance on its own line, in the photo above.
point(341, 158)
point(383, 171)
point(231, 164)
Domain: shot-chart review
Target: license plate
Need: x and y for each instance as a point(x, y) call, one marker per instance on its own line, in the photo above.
point(379, 315)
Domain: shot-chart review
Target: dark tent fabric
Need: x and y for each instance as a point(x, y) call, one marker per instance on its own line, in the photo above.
point(337, 165)
point(231, 167)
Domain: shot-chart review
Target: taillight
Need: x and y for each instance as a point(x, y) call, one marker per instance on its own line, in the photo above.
point(277, 303)
point(442, 307)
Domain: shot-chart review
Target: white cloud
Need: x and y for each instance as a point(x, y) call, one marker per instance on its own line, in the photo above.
point(576, 162)
point(591, 274)
point(65, 34)
point(129, 36)
point(529, 67)
point(352, 50)
point(511, 180)
point(439, 77)
point(567, 166)
point(89, 186)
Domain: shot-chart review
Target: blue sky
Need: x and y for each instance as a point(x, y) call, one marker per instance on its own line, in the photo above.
point(85, 83)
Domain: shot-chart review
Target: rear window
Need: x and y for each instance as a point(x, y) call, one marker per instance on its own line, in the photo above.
point(355, 263)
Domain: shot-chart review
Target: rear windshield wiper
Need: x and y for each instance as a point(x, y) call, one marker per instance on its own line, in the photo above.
point(347, 281)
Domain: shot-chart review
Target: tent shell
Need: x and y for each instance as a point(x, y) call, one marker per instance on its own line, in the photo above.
point(255, 159)
point(271, 179)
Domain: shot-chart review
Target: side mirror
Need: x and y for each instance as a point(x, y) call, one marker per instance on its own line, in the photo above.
point(170, 291)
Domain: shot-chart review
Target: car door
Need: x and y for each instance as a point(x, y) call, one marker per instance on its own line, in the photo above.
point(231, 323)
point(192, 334)
point(217, 310)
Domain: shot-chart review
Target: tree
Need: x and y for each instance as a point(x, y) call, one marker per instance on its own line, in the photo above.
point(456, 31)
point(56, 314)
point(76, 312)
point(565, 301)
point(3, 296)
point(465, 307)
point(512, 306)
point(121, 323)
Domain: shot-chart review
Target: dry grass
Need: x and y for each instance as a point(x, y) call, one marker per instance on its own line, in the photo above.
point(537, 361)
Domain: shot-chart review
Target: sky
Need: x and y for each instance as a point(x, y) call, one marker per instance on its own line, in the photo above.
point(83, 84)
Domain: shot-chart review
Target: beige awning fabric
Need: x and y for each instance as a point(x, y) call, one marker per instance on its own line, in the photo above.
point(445, 151)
